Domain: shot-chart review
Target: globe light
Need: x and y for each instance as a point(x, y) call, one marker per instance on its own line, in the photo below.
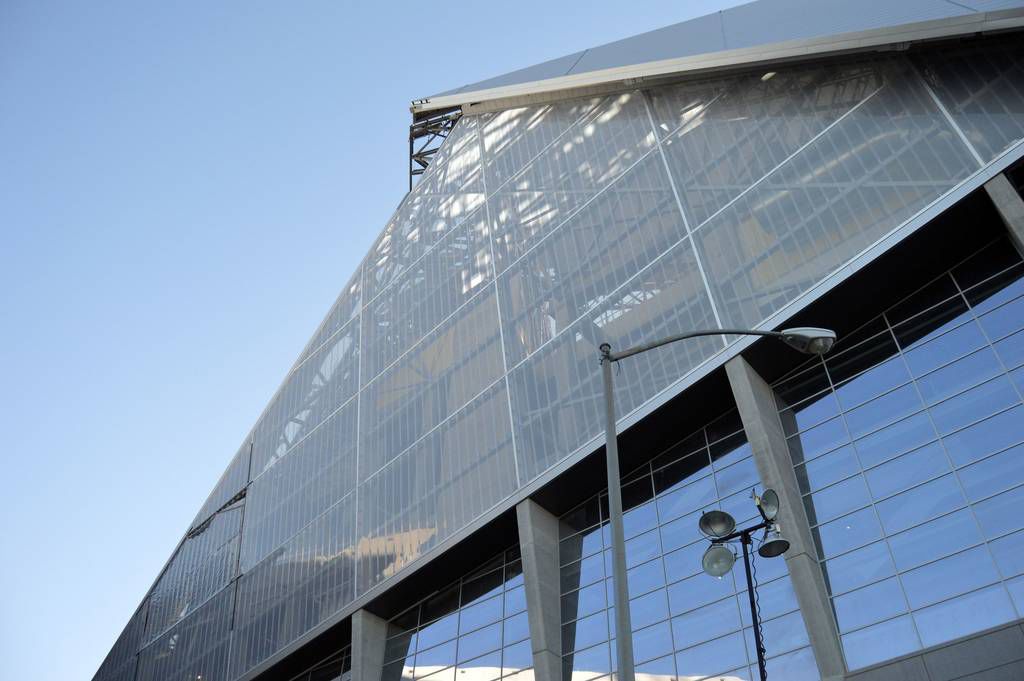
point(809, 340)
point(774, 544)
point(718, 560)
point(716, 523)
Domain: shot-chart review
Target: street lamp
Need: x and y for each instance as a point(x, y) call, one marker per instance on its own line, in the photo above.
point(812, 341)
point(718, 559)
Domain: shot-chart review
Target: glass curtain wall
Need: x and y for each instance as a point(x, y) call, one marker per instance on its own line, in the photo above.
point(337, 667)
point(686, 624)
point(475, 629)
point(908, 442)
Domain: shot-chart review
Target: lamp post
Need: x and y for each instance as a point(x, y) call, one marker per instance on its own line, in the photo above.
point(718, 559)
point(808, 340)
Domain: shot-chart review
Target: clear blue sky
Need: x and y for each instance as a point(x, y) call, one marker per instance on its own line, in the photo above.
point(184, 189)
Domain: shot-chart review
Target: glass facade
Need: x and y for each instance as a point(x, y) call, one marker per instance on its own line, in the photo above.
point(908, 443)
point(475, 629)
point(458, 364)
point(337, 667)
point(686, 625)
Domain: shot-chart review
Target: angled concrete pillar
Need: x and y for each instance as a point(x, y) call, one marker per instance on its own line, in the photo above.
point(756, 403)
point(369, 633)
point(538, 540)
point(1010, 206)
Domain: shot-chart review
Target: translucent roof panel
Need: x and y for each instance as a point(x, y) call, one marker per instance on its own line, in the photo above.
point(760, 24)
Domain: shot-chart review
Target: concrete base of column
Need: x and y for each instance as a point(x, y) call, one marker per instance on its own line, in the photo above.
point(538, 540)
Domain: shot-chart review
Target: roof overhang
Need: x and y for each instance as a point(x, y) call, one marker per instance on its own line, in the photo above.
point(627, 77)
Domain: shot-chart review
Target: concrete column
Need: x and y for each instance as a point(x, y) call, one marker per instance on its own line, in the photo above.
point(538, 541)
point(756, 403)
point(369, 633)
point(1010, 206)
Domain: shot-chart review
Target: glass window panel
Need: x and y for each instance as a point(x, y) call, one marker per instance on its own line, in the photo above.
point(810, 412)
point(948, 577)
point(587, 664)
point(880, 642)
point(517, 657)
point(515, 600)
point(729, 450)
point(1008, 552)
point(1001, 514)
point(934, 539)
point(781, 635)
point(1011, 350)
point(662, 668)
point(583, 602)
point(974, 404)
point(585, 632)
point(964, 373)
point(848, 532)
point(709, 622)
point(682, 472)
point(647, 609)
point(991, 435)
point(798, 665)
point(774, 598)
point(929, 356)
point(998, 288)
point(928, 313)
point(919, 504)
point(1016, 589)
point(639, 519)
point(725, 652)
point(1003, 320)
point(687, 499)
point(740, 476)
point(869, 605)
point(827, 469)
point(582, 573)
point(584, 516)
point(652, 642)
point(837, 500)
point(994, 474)
point(400, 647)
point(859, 568)
point(681, 532)
point(639, 549)
point(818, 440)
point(964, 615)
point(995, 257)
point(646, 577)
point(485, 668)
point(684, 562)
point(583, 544)
point(883, 411)
point(516, 628)
point(477, 615)
point(895, 439)
point(875, 380)
point(698, 590)
point(909, 469)
point(438, 631)
point(479, 642)
point(435, 658)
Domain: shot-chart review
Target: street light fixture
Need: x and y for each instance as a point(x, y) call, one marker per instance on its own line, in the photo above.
point(719, 559)
point(809, 340)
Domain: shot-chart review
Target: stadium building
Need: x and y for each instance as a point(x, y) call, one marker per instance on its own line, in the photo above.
point(423, 498)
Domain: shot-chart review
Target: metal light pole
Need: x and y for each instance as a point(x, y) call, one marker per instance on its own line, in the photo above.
point(809, 340)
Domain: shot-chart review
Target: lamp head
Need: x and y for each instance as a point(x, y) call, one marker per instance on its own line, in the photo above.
point(768, 504)
point(809, 340)
point(774, 544)
point(718, 560)
point(716, 523)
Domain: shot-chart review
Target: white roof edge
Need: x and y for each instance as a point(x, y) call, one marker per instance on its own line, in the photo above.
point(807, 47)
